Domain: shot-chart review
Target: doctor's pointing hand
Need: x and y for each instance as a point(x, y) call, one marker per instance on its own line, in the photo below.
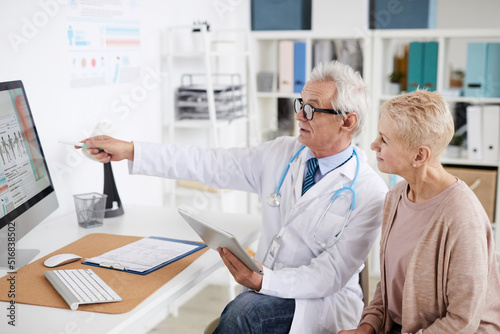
point(321, 208)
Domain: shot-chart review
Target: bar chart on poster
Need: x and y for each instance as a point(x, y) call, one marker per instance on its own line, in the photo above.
point(103, 42)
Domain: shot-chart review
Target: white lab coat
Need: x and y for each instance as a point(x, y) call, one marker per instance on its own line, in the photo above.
point(324, 282)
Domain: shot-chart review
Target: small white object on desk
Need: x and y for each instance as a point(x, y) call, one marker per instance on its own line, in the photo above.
point(60, 259)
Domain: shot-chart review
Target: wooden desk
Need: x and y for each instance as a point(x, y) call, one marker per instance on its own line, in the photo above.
point(55, 233)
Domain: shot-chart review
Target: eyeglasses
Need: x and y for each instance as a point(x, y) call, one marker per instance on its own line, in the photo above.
point(308, 110)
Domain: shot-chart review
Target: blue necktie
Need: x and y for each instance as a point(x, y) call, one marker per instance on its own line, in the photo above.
point(312, 165)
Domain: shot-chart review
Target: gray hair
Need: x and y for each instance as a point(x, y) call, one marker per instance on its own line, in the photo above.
point(352, 94)
point(421, 118)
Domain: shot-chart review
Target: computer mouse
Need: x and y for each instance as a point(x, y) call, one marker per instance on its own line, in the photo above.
point(60, 259)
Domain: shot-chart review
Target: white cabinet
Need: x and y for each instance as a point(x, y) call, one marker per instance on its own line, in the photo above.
point(452, 54)
point(209, 60)
point(265, 44)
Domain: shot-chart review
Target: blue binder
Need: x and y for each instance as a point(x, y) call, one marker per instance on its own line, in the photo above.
point(389, 14)
point(429, 73)
point(281, 14)
point(299, 66)
point(492, 74)
point(415, 66)
point(475, 70)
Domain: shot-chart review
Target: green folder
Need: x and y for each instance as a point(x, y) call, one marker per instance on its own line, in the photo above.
point(429, 73)
point(415, 65)
point(422, 66)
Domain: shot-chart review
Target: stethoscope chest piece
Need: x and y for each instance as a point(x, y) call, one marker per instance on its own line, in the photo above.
point(274, 199)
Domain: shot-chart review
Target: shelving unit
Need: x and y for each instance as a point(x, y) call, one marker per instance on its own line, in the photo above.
point(452, 51)
point(378, 47)
point(265, 47)
point(219, 52)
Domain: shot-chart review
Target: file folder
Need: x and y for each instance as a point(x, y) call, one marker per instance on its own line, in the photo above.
point(491, 124)
point(285, 68)
point(492, 75)
point(474, 133)
point(415, 65)
point(475, 70)
point(323, 51)
point(430, 61)
point(299, 66)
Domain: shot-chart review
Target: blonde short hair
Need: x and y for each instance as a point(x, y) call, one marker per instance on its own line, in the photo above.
point(421, 118)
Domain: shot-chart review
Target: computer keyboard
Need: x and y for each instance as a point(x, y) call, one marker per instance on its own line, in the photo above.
point(81, 286)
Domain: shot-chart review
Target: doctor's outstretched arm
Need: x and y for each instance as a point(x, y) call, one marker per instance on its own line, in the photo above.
point(105, 149)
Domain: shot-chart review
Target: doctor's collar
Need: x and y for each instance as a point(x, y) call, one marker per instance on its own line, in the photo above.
point(331, 162)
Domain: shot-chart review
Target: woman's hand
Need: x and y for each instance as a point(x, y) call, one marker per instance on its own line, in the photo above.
point(363, 329)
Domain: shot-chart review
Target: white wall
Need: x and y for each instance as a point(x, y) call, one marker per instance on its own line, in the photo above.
point(61, 111)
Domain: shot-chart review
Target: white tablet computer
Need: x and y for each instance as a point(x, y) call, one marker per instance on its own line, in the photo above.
point(214, 237)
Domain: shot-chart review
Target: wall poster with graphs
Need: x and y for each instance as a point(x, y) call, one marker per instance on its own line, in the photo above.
point(103, 41)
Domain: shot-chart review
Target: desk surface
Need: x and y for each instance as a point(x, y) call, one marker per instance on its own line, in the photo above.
point(55, 233)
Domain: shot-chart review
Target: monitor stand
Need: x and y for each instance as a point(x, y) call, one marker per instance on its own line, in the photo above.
point(114, 206)
point(22, 258)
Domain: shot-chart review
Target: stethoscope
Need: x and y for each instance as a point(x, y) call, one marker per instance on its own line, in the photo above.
point(275, 198)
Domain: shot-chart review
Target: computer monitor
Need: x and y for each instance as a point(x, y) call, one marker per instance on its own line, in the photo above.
point(27, 194)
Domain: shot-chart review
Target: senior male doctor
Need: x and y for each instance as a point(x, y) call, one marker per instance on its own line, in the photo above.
point(311, 253)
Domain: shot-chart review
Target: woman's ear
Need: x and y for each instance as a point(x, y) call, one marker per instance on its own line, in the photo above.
point(423, 155)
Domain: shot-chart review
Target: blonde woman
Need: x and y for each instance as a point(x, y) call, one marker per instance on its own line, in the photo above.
point(437, 259)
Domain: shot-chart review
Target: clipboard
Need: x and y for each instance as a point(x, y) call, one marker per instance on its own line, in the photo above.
point(125, 267)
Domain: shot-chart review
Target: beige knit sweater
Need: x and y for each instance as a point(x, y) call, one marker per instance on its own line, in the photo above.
point(452, 283)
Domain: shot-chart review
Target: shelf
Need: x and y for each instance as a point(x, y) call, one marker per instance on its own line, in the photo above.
point(435, 33)
point(196, 54)
point(466, 162)
point(186, 188)
point(276, 95)
point(205, 123)
point(472, 100)
point(304, 34)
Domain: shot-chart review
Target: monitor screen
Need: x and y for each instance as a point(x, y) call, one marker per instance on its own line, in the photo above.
point(27, 194)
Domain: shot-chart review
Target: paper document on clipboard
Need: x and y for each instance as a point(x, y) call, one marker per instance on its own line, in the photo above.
point(145, 255)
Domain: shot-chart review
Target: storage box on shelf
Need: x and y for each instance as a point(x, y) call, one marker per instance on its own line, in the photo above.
point(482, 181)
point(451, 61)
point(192, 98)
point(207, 105)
